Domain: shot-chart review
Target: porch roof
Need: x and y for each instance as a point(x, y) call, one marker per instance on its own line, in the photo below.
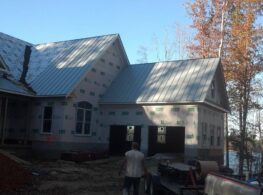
point(13, 87)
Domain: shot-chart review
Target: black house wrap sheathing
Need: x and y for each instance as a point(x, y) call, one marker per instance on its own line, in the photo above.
point(25, 64)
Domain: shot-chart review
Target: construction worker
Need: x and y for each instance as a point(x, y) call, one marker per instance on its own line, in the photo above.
point(134, 169)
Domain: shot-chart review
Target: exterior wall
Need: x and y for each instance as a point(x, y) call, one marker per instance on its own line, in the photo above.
point(219, 90)
point(90, 89)
point(16, 121)
point(210, 117)
point(157, 115)
point(36, 116)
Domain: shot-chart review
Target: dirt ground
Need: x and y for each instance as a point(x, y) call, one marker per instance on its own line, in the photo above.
point(98, 177)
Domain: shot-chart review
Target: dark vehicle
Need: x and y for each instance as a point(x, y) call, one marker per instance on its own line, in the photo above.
point(174, 178)
point(199, 178)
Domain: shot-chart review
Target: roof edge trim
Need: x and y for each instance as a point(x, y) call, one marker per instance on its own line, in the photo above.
point(16, 93)
point(123, 50)
point(166, 103)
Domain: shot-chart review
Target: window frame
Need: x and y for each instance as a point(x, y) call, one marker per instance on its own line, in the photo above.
point(212, 135)
point(83, 121)
point(218, 138)
point(160, 134)
point(204, 133)
point(213, 89)
point(48, 119)
point(130, 132)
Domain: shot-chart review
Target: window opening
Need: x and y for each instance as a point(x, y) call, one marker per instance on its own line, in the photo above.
point(212, 134)
point(218, 136)
point(161, 135)
point(204, 133)
point(47, 119)
point(130, 133)
point(213, 89)
point(83, 118)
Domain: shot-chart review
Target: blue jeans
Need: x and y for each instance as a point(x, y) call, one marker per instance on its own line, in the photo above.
point(131, 181)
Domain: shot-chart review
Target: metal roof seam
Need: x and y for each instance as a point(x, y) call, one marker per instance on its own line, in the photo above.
point(177, 77)
point(209, 80)
point(195, 77)
point(171, 82)
point(171, 70)
point(94, 62)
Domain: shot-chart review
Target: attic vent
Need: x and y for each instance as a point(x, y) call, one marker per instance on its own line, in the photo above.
point(25, 64)
point(213, 89)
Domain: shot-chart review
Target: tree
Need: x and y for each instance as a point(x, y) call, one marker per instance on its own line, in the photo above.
point(169, 47)
point(206, 16)
point(226, 28)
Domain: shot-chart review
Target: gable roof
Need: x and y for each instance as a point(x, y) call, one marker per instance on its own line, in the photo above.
point(54, 68)
point(180, 81)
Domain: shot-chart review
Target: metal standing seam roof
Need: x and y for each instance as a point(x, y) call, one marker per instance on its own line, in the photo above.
point(163, 82)
point(54, 68)
point(64, 63)
point(13, 87)
point(12, 52)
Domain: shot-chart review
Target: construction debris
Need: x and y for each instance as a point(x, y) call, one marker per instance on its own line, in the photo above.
point(13, 175)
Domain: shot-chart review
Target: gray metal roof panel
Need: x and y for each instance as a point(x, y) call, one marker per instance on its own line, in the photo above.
point(56, 67)
point(12, 52)
point(13, 87)
point(209, 74)
point(64, 63)
point(164, 82)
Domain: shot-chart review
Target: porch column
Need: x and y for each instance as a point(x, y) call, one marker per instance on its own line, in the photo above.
point(144, 139)
point(3, 111)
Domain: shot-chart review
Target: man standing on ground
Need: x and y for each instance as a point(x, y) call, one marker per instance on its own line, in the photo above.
point(134, 169)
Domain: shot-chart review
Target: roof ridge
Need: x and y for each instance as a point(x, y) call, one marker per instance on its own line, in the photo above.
point(17, 39)
point(176, 60)
point(78, 39)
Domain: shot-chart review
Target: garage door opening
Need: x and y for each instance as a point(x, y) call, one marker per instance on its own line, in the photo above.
point(166, 140)
point(121, 137)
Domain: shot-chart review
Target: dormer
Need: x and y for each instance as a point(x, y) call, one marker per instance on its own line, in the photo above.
point(3, 66)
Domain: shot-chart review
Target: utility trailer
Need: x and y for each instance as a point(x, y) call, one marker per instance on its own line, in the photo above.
point(204, 178)
point(173, 178)
point(216, 184)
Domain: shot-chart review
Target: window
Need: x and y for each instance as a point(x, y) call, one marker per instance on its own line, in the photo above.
point(213, 89)
point(130, 133)
point(218, 136)
point(212, 134)
point(204, 133)
point(175, 109)
point(83, 118)
point(161, 135)
point(47, 119)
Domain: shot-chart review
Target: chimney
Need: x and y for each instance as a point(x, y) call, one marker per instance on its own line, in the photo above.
point(25, 64)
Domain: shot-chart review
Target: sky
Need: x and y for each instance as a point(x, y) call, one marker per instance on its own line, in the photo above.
point(137, 21)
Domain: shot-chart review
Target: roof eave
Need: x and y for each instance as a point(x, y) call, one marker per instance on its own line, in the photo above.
point(51, 96)
point(16, 93)
point(167, 103)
